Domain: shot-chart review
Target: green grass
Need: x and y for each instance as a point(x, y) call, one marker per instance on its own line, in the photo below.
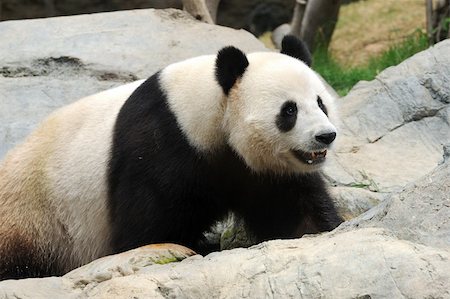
point(342, 79)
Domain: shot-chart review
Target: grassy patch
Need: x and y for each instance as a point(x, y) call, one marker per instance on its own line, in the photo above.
point(368, 28)
point(342, 78)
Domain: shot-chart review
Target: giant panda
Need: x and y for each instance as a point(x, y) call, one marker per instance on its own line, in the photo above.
point(161, 160)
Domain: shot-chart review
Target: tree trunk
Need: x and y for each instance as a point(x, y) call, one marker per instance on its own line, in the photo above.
point(202, 10)
point(297, 18)
point(429, 19)
point(438, 16)
point(319, 21)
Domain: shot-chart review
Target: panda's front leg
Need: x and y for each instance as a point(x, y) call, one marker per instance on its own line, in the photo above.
point(291, 210)
point(275, 226)
point(320, 215)
point(265, 222)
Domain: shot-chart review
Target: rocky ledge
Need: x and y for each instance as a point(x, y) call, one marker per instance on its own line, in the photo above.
point(395, 130)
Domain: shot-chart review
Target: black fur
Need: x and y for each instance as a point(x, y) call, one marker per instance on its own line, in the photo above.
point(231, 64)
point(162, 190)
point(322, 106)
point(296, 48)
point(157, 183)
point(21, 258)
point(287, 117)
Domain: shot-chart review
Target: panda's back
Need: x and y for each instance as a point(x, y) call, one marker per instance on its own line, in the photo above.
point(62, 168)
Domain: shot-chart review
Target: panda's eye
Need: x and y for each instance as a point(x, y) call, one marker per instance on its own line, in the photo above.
point(322, 106)
point(287, 117)
point(289, 109)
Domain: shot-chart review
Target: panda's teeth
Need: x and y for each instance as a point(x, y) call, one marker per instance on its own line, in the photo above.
point(320, 154)
point(312, 157)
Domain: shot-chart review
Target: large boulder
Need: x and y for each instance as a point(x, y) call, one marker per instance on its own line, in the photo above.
point(395, 130)
point(48, 63)
point(253, 15)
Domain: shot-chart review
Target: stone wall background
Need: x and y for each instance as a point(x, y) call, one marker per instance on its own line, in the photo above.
point(253, 15)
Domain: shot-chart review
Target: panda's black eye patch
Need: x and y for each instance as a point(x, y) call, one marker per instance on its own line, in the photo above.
point(289, 109)
point(287, 117)
point(322, 106)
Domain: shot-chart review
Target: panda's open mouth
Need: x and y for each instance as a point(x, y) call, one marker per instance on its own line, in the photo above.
point(310, 158)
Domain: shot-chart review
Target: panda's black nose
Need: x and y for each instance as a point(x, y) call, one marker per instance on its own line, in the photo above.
point(326, 138)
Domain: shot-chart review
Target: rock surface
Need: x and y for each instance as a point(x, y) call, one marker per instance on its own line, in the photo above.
point(253, 15)
point(95, 273)
point(395, 129)
point(30, 9)
point(399, 249)
point(48, 63)
point(420, 213)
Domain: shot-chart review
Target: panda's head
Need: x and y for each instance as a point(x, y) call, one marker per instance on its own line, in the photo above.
point(278, 111)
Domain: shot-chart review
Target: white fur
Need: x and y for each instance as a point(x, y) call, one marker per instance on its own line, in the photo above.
point(59, 174)
point(197, 100)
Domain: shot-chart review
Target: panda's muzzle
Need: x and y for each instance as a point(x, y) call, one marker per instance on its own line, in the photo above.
point(310, 158)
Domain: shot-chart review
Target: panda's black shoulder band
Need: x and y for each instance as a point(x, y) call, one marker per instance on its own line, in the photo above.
point(231, 64)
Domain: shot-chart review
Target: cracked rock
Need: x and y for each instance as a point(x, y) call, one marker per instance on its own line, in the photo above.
point(395, 127)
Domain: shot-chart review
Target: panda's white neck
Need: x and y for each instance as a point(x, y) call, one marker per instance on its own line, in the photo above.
point(197, 101)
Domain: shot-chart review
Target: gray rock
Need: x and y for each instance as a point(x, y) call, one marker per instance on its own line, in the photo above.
point(253, 15)
point(394, 130)
point(420, 213)
point(93, 274)
point(48, 63)
point(353, 201)
point(30, 9)
point(279, 33)
point(128, 263)
point(378, 265)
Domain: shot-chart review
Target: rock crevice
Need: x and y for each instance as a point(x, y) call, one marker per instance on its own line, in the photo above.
point(63, 65)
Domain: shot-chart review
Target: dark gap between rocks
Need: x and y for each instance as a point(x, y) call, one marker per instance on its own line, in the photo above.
point(63, 64)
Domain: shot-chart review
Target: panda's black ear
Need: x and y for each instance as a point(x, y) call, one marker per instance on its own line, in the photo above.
point(231, 63)
point(296, 48)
